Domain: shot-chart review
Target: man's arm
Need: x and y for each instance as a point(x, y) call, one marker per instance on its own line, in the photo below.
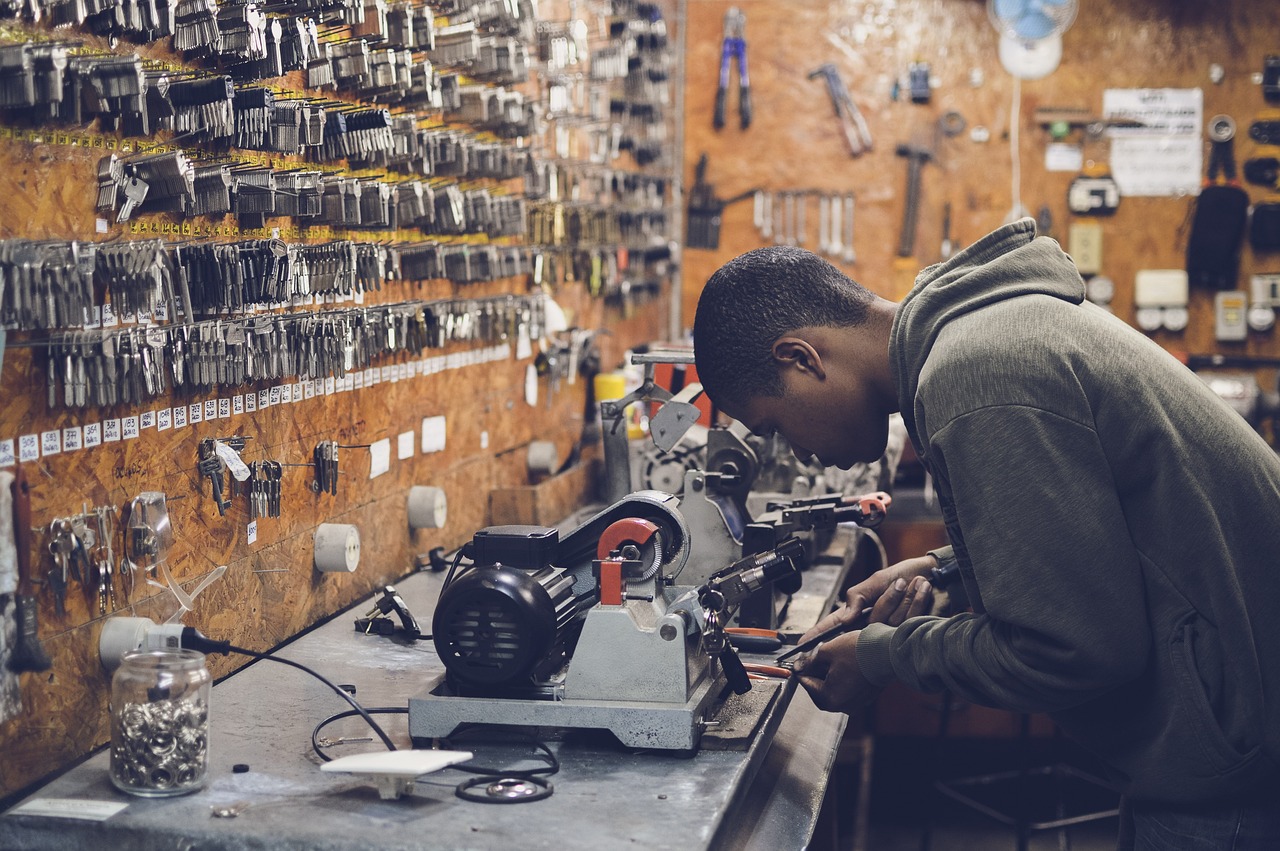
point(1059, 578)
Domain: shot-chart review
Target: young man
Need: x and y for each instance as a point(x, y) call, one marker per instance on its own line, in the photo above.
point(1117, 526)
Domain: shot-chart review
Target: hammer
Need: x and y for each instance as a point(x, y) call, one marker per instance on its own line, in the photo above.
point(916, 156)
point(28, 653)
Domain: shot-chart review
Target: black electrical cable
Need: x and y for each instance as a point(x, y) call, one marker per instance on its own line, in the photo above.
point(192, 639)
point(552, 766)
point(484, 775)
point(350, 713)
point(453, 567)
point(356, 707)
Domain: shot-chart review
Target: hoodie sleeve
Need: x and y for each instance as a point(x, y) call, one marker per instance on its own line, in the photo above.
point(1059, 578)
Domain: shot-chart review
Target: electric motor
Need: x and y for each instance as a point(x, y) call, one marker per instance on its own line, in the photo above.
point(502, 626)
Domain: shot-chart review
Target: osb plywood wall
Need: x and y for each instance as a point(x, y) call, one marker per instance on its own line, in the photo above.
point(794, 142)
point(270, 590)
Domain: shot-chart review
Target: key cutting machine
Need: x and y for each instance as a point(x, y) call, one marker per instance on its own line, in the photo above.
point(591, 630)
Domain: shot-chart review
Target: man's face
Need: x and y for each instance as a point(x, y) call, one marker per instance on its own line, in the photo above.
point(835, 419)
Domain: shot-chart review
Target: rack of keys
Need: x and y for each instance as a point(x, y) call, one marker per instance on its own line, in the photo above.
point(214, 455)
point(264, 488)
point(326, 464)
point(82, 547)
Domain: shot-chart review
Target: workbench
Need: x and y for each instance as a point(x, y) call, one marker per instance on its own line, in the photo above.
point(765, 796)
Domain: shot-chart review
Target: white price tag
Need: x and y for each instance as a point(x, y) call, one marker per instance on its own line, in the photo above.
point(148, 420)
point(253, 531)
point(379, 458)
point(211, 409)
point(76, 808)
point(164, 419)
point(224, 408)
point(29, 448)
point(7, 458)
point(237, 404)
point(129, 427)
point(195, 413)
point(50, 442)
point(72, 438)
point(180, 417)
point(92, 435)
point(433, 434)
point(110, 431)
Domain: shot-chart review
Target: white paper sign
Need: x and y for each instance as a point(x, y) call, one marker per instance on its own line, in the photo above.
point(1164, 156)
point(379, 458)
point(433, 434)
point(77, 808)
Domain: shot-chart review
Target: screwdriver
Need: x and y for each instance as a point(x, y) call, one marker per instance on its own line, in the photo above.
point(938, 576)
point(840, 629)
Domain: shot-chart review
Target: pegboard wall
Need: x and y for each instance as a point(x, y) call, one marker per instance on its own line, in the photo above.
point(794, 143)
point(416, 279)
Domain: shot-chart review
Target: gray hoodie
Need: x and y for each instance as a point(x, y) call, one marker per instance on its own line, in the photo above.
point(1117, 527)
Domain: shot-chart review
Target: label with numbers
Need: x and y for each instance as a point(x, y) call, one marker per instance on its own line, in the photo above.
point(92, 435)
point(274, 396)
point(224, 408)
point(180, 417)
point(250, 402)
point(84, 809)
point(50, 442)
point(264, 399)
point(211, 409)
point(237, 404)
point(129, 427)
point(253, 531)
point(357, 380)
point(29, 448)
point(164, 419)
point(110, 431)
point(195, 413)
point(72, 438)
point(148, 420)
point(329, 385)
point(308, 389)
point(7, 458)
point(297, 392)
point(109, 319)
point(386, 374)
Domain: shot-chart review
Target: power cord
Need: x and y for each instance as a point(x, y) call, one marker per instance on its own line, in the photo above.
point(193, 639)
point(490, 785)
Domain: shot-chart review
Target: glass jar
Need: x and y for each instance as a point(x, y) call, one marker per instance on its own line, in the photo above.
point(160, 723)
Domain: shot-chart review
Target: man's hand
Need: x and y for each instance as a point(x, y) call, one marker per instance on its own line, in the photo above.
point(831, 673)
point(898, 592)
point(832, 677)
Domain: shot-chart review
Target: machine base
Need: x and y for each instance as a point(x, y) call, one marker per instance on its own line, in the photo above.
point(437, 712)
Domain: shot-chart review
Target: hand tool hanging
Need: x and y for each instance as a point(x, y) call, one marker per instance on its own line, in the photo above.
point(854, 126)
point(1220, 215)
point(916, 156)
point(734, 47)
point(705, 209)
point(28, 653)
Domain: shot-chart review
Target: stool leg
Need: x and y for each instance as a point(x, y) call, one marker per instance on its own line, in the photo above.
point(944, 719)
point(1023, 825)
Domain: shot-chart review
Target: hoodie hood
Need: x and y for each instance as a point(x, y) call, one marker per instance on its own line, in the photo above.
point(1006, 263)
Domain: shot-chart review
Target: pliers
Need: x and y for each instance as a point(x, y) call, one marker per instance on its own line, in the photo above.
point(733, 47)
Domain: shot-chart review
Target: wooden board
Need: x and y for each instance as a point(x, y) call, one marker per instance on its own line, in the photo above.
point(270, 591)
point(794, 141)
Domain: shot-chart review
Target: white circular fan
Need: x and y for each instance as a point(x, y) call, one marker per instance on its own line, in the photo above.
point(1031, 34)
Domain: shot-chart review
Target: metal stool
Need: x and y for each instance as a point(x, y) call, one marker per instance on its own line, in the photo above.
point(965, 790)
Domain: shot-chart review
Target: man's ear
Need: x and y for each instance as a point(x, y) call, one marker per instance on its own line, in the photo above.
point(797, 353)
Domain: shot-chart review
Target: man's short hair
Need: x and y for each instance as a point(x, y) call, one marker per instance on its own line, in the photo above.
point(753, 300)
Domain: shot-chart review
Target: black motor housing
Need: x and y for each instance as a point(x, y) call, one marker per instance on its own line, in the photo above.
point(501, 629)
